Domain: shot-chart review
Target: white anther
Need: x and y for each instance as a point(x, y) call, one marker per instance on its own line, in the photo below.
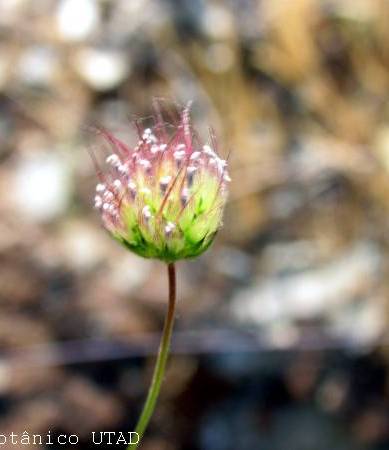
point(148, 136)
point(108, 196)
point(191, 170)
point(184, 196)
point(98, 201)
point(179, 154)
point(100, 187)
point(226, 177)
point(144, 163)
point(123, 169)
point(180, 146)
point(212, 162)
point(106, 206)
point(145, 191)
point(221, 164)
point(208, 150)
point(113, 159)
point(170, 226)
point(146, 213)
point(152, 139)
point(165, 180)
point(154, 149)
point(117, 184)
point(195, 155)
point(162, 147)
point(132, 188)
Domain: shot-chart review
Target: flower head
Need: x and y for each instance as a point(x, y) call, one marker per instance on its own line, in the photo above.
point(165, 197)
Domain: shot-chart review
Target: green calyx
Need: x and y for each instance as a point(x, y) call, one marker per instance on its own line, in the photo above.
point(167, 253)
point(172, 231)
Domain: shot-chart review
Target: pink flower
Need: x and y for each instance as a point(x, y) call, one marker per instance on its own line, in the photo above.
point(163, 198)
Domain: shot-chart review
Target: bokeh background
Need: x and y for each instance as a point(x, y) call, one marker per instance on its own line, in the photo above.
point(281, 338)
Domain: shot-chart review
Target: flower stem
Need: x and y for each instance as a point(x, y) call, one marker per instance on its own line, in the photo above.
point(160, 365)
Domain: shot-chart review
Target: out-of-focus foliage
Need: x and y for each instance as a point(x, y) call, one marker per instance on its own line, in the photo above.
point(297, 90)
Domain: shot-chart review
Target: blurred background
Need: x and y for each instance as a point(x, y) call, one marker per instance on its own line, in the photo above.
point(281, 340)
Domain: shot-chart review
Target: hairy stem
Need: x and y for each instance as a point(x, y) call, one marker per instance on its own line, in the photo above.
point(160, 364)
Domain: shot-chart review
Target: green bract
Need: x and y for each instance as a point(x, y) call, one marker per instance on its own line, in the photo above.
point(164, 198)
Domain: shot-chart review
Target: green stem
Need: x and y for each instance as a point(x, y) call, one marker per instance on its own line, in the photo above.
point(160, 364)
